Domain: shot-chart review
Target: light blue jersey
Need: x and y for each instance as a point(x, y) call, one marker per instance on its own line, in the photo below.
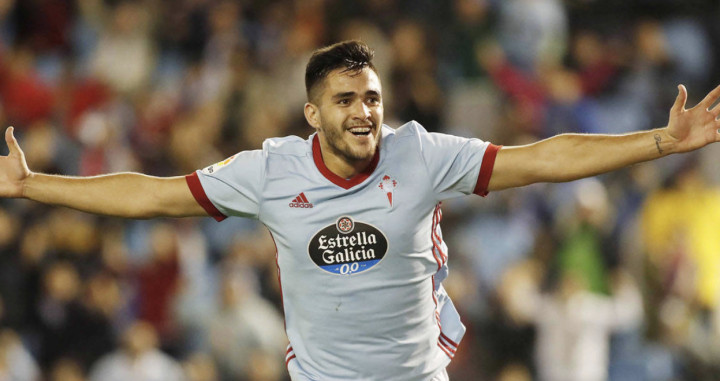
point(360, 260)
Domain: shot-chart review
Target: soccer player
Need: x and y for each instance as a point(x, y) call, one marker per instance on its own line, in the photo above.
point(354, 212)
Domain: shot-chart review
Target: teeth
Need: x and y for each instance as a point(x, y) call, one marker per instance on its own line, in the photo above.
point(360, 130)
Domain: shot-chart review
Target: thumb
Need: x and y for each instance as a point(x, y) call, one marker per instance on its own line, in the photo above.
point(679, 104)
point(12, 143)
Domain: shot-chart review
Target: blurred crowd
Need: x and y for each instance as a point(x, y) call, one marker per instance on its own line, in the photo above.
point(609, 278)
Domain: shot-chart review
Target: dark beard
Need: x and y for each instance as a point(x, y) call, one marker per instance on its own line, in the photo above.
point(348, 154)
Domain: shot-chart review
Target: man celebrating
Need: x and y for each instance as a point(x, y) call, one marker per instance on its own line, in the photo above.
point(355, 210)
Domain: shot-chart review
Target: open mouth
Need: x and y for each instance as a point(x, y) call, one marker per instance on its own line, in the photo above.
point(360, 131)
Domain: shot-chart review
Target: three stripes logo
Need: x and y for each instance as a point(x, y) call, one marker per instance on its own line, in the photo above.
point(301, 202)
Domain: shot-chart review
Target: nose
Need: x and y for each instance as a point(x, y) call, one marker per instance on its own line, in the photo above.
point(361, 111)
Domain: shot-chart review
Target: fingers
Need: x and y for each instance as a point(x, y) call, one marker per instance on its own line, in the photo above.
point(679, 104)
point(710, 98)
point(11, 141)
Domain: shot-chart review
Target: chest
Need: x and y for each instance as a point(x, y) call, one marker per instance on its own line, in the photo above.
point(318, 223)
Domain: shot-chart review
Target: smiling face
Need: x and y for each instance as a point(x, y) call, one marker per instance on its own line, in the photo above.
point(348, 114)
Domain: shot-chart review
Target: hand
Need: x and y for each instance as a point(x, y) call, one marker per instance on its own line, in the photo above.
point(696, 127)
point(13, 168)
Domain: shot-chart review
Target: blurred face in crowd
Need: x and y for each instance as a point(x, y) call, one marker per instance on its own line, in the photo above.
point(348, 114)
point(140, 338)
point(66, 370)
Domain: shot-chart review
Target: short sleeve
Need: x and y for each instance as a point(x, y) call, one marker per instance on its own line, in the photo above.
point(232, 187)
point(456, 165)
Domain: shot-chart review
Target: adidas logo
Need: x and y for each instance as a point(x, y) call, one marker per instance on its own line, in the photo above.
point(301, 202)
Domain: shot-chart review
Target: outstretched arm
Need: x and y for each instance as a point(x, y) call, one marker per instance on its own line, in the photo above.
point(131, 195)
point(569, 157)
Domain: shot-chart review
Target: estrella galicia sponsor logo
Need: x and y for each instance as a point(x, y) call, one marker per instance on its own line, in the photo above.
point(347, 247)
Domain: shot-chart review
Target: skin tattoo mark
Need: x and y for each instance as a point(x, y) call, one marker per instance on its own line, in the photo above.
point(658, 139)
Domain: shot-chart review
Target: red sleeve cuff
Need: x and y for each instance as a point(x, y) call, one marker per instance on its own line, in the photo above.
point(486, 169)
point(198, 192)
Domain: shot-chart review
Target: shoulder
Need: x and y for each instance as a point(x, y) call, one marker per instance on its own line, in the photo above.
point(243, 162)
point(288, 145)
point(411, 128)
point(406, 134)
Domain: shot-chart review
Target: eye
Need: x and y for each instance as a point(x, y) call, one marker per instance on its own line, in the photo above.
point(344, 102)
point(373, 100)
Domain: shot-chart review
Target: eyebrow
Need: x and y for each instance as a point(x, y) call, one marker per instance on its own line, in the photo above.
point(349, 94)
point(346, 94)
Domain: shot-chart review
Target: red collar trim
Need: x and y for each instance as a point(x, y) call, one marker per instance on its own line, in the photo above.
point(337, 180)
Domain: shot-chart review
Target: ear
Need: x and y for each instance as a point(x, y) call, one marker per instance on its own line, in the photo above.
point(312, 115)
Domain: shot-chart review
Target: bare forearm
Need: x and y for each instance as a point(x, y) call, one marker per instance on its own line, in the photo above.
point(130, 195)
point(569, 157)
point(572, 156)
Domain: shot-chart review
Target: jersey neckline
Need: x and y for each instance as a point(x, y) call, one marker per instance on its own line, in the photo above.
point(337, 180)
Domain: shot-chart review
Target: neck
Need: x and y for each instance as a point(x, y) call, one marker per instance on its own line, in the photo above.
point(341, 165)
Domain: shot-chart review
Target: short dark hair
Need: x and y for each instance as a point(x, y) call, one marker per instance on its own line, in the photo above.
point(352, 55)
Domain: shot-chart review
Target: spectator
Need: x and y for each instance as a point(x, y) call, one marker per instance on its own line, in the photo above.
point(200, 367)
point(16, 363)
point(138, 359)
point(67, 370)
point(581, 304)
point(246, 331)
